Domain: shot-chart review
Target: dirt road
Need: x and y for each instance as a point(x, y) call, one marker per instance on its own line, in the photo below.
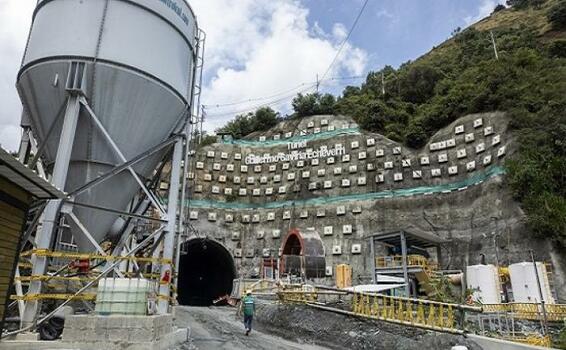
point(218, 328)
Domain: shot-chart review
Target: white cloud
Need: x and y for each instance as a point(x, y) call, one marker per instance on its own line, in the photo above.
point(15, 18)
point(262, 47)
point(383, 13)
point(485, 9)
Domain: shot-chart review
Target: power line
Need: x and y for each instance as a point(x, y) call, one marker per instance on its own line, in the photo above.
point(346, 39)
point(220, 105)
point(255, 99)
point(267, 104)
point(279, 100)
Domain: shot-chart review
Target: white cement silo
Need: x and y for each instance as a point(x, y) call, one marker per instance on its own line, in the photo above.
point(483, 280)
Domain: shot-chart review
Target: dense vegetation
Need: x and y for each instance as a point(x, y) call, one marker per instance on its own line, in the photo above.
point(244, 124)
point(463, 76)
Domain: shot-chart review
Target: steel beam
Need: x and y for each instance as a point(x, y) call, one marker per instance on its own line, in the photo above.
point(171, 230)
point(24, 146)
point(45, 236)
point(123, 166)
point(120, 155)
point(85, 233)
point(405, 269)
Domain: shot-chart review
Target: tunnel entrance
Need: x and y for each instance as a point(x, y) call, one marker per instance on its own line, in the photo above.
point(206, 272)
point(303, 255)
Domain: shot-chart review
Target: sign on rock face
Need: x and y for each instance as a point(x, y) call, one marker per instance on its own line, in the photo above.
point(294, 154)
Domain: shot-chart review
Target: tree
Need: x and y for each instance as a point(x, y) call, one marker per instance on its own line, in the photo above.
point(264, 118)
point(304, 105)
point(523, 4)
point(557, 15)
point(313, 104)
point(418, 82)
point(244, 124)
point(326, 104)
point(499, 7)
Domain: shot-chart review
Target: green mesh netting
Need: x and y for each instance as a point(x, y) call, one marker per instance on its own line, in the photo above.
point(310, 137)
point(476, 178)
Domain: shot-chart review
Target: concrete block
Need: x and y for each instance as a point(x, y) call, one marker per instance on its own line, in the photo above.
point(119, 335)
point(117, 322)
point(72, 334)
point(27, 336)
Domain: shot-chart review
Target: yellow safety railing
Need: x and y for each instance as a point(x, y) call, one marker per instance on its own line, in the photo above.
point(28, 297)
point(297, 297)
point(530, 311)
point(415, 312)
point(86, 256)
point(59, 283)
point(535, 340)
point(413, 260)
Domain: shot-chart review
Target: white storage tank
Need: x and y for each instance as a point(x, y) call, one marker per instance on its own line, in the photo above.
point(137, 59)
point(483, 280)
point(122, 296)
point(524, 283)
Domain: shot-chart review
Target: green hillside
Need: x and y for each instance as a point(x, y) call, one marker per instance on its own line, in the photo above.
point(462, 76)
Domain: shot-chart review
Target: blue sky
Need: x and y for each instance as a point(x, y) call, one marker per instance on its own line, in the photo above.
point(394, 31)
point(261, 48)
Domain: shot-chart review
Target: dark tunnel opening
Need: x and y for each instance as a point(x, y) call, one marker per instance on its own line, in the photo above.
point(206, 272)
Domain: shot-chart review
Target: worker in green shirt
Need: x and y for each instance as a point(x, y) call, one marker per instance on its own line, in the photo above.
point(249, 309)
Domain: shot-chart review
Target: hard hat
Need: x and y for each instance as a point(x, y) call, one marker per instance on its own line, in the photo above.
point(249, 291)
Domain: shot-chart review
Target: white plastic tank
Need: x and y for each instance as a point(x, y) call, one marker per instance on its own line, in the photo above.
point(483, 280)
point(122, 296)
point(524, 283)
point(139, 59)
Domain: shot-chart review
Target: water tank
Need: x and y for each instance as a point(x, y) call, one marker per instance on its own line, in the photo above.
point(139, 58)
point(524, 283)
point(483, 280)
point(122, 296)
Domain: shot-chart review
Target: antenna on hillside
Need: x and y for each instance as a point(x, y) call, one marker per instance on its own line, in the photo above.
point(382, 83)
point(494, 46)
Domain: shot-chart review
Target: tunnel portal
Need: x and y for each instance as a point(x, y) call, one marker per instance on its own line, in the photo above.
point(206, 272)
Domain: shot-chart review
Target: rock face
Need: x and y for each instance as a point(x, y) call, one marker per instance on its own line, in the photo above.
point(323, 174)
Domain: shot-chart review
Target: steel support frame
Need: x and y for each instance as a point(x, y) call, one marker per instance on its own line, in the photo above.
point(171, 230)
point(53, 208)
point(44, 238)
point(403, 240)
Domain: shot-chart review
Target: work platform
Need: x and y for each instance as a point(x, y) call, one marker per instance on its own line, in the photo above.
point(406, 254)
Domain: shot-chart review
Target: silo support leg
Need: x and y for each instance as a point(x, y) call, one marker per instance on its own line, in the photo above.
point(44, 237)
point(171, 230)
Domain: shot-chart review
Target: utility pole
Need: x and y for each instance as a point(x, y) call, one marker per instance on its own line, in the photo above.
point(202, 115)
point(545, 321)
point(382, 83)
point(494, 45)
point(317, 83)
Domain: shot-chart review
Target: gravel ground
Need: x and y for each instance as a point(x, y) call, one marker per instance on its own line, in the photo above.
point(301, 327)
point(219, 328)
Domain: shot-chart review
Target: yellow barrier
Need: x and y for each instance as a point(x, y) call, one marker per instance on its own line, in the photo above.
point(53, 278)
point(535, 340)
point(424, 314)
point(297, 296)
point(412, 261)
point(528, 311)
point(27, 297)
point(85, 256)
